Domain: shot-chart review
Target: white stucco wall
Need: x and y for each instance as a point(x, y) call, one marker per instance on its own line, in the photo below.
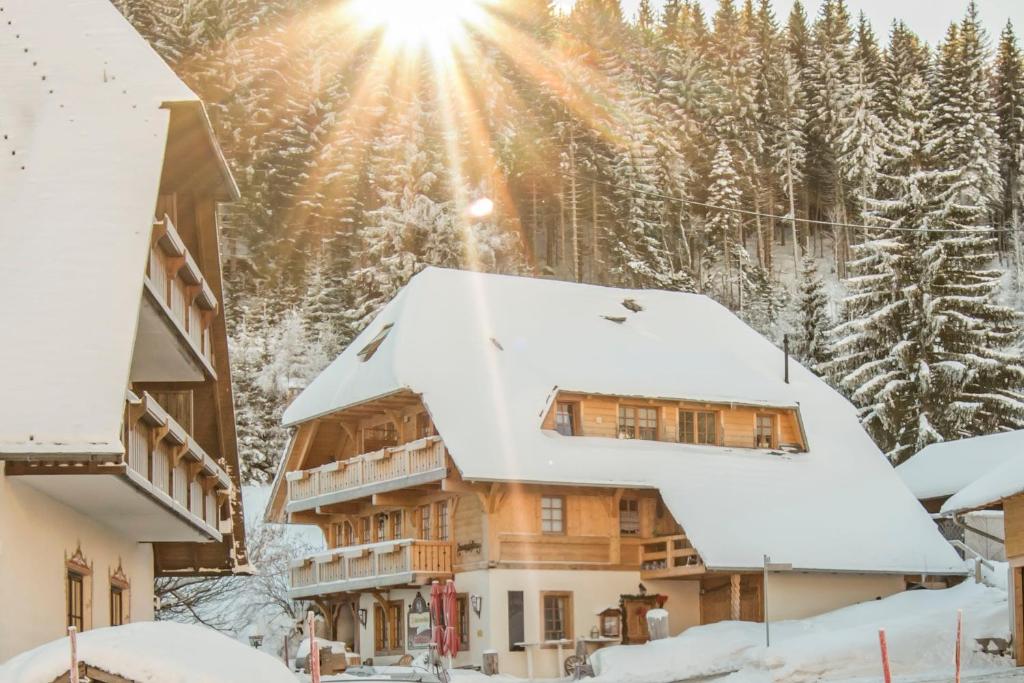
point(796, 595)
point(37, 535)
point(990, 522)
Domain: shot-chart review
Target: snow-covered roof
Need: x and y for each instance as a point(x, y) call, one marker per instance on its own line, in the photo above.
point(151, 652)
point(942, 469)
point(1000, 482)
point(487, 353)
point(84, 120)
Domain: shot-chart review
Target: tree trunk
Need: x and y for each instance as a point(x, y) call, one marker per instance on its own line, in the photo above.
point(792, 210)
point(577, 254)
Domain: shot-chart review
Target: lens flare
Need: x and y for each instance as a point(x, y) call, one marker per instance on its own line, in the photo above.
point(481, 208)
point(405, 24)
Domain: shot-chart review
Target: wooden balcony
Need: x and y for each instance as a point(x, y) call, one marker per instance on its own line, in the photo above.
point(175, 283)
point(164, 460)
point(401, 562)
point(668, 557)
point(412, 464)
point(163, 488)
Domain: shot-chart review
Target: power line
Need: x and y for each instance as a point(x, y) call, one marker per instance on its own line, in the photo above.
point(747, 212)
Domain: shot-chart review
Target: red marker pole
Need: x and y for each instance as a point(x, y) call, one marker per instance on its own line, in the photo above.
point(314, 651)
point(885, 655)
point(959, 640)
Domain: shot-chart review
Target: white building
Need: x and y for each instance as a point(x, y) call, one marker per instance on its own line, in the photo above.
point(117, 446)
point(559, 449)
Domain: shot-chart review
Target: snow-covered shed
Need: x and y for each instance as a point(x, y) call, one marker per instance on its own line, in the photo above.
point(488, 354)
point(943, 469)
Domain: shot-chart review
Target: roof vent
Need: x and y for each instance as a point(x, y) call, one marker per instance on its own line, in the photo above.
point(632, 305)
point(366, 353)
point(615, 318)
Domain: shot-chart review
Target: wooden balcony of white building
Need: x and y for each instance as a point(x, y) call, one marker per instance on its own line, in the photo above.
point(667, 557)
point(178, 301)
point(165, 487)
point(400, 562)
point(408, 465)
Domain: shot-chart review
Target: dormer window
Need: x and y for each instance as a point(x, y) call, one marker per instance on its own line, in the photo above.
point(764, 432)
point(636, 422)
point(366, 353)
point(565, 418)
point(698, 426)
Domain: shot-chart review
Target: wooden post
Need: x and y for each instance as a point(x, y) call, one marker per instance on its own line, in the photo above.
point(885, 656)
point(735, 596)
point(490, 663)
point(73, 669)
point(959, 640)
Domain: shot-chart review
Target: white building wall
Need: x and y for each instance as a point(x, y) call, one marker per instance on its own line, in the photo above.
point(799, 595)
point(991, 523)
point(37, 535)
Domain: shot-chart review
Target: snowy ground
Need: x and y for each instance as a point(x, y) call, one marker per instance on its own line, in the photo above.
point(837, 646)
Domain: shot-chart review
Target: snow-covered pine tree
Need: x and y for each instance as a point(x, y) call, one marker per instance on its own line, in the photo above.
point(812, 320)
point(789, 146)
point(1008, 88)
point(723, 230)
point(859, 142)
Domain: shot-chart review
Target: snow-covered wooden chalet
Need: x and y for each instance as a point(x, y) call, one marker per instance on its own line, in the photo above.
point(117, 441)
point(569, 453)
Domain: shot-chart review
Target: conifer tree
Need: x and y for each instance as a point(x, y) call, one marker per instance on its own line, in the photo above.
point(813, 321)
point(723, 227)
point(1008, 87)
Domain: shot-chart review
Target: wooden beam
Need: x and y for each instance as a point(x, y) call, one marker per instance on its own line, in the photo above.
point(303, 440)
point(395, 499)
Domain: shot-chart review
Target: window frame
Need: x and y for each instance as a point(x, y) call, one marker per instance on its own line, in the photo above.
point(442, 515)
point(773, 429)
point(426, 523)
point(562, 516)
point(116, 600)
point(74, 582)
point(574, 417)
point(567, 616)
point(693, 416)
point(634, 432)
point(635, 502)
point(387, 632)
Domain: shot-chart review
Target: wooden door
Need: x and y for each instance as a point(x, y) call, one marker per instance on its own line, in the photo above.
point(716, 599)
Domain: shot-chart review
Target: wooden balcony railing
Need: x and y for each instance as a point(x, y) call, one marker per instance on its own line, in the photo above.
point(420, 459)
point(163, 455)
point(388, 563)
point(176, 282)
point(668, 556)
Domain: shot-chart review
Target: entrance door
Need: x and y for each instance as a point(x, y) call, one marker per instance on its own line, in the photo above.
point(716, 599)
point(634, 614)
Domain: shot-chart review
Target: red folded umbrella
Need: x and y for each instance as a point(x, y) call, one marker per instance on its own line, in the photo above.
point(436, 614)
point(451, 607)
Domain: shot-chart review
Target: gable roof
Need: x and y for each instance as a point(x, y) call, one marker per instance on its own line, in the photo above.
point(488, 353)
point(84, 121)
point(1001, 480)
point(943, 469)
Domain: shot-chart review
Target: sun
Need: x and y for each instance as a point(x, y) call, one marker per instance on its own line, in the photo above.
point(437, 25)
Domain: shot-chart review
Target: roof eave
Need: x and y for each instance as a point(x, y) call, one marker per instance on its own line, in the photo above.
point(229, 188)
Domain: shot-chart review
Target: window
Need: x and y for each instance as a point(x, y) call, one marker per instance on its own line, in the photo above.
point(516, 621)
point(387, 628)
point(116, 605)
point(379, 436)
point(382, 527)
point(367, 538)
point(462, 626)
point(764, 433)
point(565, 419)
point(638, 423)
point(76, 600)
point(442, 520)
point(698, 426)
point(557, 610)
point(425, 522)
point(424, 426)
point(629, 517)
point(552, 514)
point(396, 524)
point(348, 534)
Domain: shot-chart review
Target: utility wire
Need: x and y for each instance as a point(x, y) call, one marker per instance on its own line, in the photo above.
point(747, 212)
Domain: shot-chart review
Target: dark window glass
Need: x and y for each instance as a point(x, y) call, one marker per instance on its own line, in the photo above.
point(556, 617)
point(116, 606)
point(698, 426)
point(764, 434)
point(638, 423)
point(565, 419)
point(76, 600)
point(516, 621)
point(629, 517)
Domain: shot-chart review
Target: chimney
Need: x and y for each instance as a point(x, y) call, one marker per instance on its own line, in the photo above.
point(785, 352)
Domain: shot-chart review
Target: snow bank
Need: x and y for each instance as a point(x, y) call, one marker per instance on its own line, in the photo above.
point(151, 652)
point(920, 629)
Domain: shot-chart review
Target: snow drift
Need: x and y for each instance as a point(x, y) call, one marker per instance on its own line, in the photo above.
point(920, 629)
point(151, 652)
